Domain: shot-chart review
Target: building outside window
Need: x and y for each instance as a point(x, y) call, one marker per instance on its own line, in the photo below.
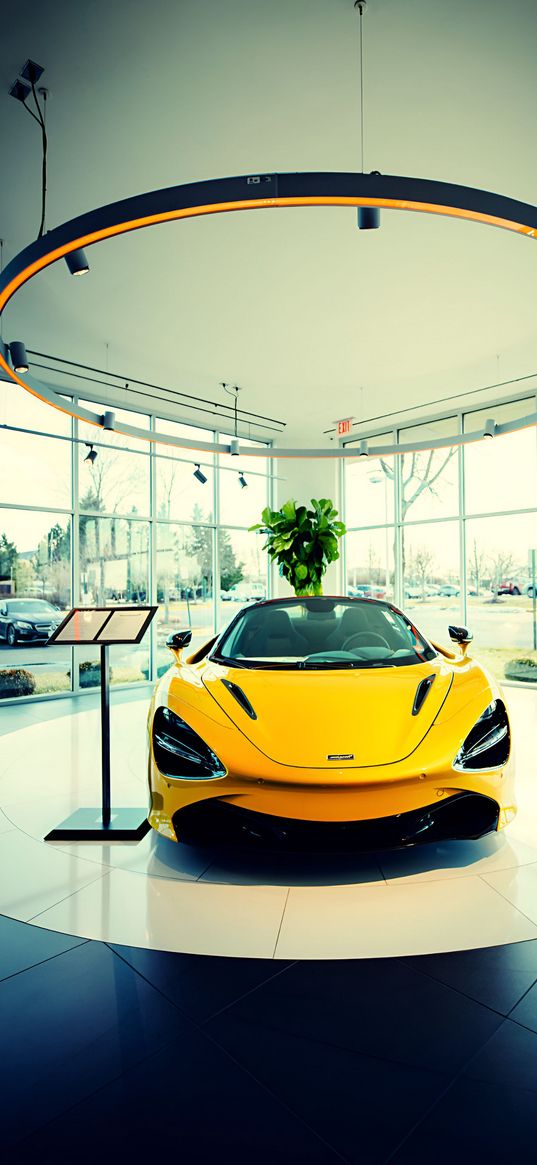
point(134, 525)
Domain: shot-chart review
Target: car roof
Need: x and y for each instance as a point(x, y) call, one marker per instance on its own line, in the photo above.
point(29, 599)
point(291, 599)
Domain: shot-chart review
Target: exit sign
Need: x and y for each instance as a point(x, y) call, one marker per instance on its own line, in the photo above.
point(344, 427)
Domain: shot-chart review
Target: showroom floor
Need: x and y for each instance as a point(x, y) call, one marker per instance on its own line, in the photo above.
point(115, 1049)
point(306, 1049)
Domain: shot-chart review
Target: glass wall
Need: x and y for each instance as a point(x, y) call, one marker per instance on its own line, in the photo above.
point(135, 524)
point(449, 532)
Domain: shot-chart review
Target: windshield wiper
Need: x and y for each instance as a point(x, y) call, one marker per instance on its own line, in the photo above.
point(341, 665)
point(253, 664)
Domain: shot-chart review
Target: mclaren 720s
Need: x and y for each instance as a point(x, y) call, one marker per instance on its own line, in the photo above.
point(325, 724)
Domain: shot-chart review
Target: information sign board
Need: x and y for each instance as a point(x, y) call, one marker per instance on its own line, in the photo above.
point(104, 627)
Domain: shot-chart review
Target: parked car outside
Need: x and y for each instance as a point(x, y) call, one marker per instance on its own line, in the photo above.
point(448, 591)
point(367, 591)
point(28, 620)
point(247, 592)
point(509, 587)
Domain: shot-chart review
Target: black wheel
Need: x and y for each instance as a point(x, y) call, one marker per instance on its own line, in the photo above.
point(11, 635)
point(516, 591)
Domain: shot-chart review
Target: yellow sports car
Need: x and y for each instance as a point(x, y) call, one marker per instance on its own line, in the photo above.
point(328, 723)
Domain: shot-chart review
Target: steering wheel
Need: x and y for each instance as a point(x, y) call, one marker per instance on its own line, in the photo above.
point(364, 639)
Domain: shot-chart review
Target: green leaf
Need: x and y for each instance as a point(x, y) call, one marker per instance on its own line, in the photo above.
point(289, 510)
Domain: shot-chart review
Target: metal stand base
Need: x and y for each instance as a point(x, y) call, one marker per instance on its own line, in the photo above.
point(87, 825)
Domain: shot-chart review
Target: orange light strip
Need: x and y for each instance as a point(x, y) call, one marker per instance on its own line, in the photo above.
point(225, 207)
point(250, 204)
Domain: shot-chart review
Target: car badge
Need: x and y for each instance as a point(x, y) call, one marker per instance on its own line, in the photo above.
point(340, 756)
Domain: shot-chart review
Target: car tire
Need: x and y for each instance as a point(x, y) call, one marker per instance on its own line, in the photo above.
point(515, 591)
point(11, 636)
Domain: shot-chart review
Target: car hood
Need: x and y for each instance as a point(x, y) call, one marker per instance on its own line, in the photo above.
point(326, 719)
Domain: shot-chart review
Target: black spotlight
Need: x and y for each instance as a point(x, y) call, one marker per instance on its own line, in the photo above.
point(368, 218)
point(199, 475)
point(77, 262)
point(18, 355)
point(20, 91)
point(92, 455)
point(242, 481)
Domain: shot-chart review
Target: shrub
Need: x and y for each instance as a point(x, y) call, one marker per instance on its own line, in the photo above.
point(162, 668)
point(89, 674)
point(522, 669)
point(16, 681)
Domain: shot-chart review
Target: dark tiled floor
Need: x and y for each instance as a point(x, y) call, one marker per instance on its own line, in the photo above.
point(109, 1050)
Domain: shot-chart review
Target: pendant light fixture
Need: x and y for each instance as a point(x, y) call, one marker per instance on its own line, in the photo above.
point(77, 262)
point(234, 448)
point(91, 456)
point(199, 475)
point(368, 216)
point(19, 359)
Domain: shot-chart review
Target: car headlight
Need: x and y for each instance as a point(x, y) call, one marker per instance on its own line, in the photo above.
point(180, 752)
point(487, 746)
point(22, 625)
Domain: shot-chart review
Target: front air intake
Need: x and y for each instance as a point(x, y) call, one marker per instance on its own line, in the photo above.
point(422, 691)
point(241, 698)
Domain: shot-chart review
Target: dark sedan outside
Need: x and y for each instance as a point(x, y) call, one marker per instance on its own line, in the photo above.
point(27, 620)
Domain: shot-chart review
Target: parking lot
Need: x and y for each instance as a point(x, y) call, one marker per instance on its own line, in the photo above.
point(503, 630)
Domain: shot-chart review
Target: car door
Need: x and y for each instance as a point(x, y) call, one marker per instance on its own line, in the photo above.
point(3, 620)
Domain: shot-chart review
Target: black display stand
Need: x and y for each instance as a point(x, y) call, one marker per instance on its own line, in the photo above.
point(104, 824)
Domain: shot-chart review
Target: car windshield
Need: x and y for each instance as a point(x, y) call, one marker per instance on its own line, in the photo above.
point(321, 633)
point(30, 607)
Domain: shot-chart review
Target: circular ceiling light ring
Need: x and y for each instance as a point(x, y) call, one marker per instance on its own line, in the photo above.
point(254, 192)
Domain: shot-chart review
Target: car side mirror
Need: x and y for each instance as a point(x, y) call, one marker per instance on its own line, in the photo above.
point(177, 641)
point(462, 636)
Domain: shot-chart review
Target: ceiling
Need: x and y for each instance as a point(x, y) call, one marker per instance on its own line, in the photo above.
point(314, 319)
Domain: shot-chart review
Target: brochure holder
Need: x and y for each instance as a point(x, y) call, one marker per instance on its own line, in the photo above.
point(103, 627)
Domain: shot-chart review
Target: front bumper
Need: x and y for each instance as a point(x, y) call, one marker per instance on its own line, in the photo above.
point(465, 815)
point(419, 798)
point(33, 635)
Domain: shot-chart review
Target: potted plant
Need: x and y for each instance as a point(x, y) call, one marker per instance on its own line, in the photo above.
point(302, 541)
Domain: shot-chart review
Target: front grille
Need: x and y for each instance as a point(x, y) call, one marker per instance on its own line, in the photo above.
point(464, 815)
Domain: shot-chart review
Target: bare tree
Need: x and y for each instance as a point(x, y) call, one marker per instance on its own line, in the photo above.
point(167, 473)
point(419, 472)
point(422, 562)
point(476, 565)
point(374, 565)
point(502, 565)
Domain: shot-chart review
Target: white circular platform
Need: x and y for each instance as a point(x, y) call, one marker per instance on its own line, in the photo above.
point(155, 893)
